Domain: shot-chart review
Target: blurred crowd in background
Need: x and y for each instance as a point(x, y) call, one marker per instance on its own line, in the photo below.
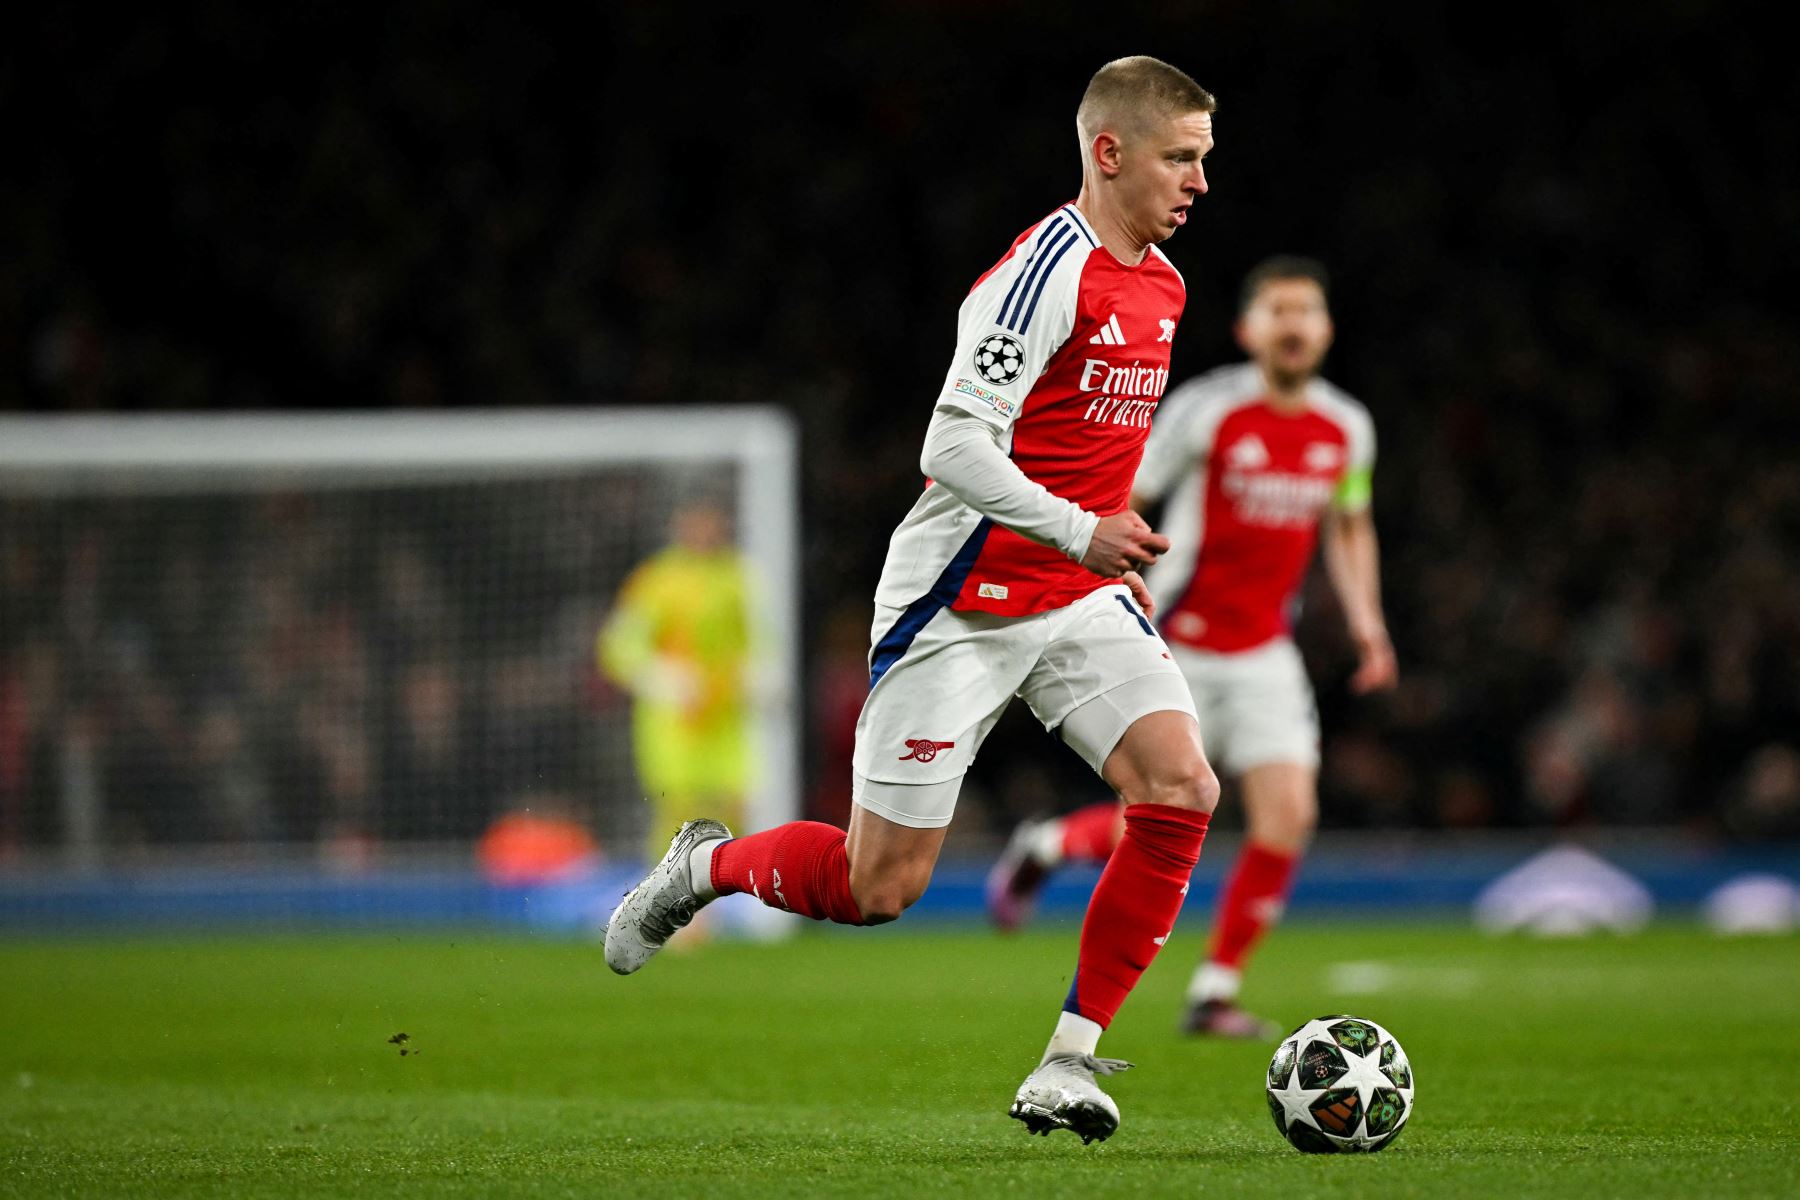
point(1561, 253)
point(339, 668)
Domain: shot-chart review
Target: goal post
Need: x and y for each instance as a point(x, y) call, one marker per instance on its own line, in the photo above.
point(230, 633)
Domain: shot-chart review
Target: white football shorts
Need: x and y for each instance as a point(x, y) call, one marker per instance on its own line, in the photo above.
point(1256, 706)
point(1089, 670)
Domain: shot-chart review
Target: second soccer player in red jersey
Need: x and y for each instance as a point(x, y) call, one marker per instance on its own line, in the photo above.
point(1258, 462)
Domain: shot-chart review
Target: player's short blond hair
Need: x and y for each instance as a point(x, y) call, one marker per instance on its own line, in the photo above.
point(1127, 94)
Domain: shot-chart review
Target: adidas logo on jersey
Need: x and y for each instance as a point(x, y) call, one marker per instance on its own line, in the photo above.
point(1110, 334)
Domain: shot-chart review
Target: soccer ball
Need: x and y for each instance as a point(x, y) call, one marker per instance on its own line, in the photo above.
point(999, 359)
point(1340, 1085)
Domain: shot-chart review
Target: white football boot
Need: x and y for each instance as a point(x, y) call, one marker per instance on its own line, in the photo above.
point(1062, 1094)
point(652, 911)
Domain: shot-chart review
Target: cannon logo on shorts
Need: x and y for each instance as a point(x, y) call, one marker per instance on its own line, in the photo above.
point(923, 749)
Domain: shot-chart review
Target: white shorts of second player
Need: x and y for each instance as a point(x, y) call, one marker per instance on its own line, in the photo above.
point(1256, 706)
point(1087, 670)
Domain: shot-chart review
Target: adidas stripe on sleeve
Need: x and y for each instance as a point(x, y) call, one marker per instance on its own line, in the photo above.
point(1015, 318)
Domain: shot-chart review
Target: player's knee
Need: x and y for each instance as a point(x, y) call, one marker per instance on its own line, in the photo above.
point(1185, 783)
point(1201, 787)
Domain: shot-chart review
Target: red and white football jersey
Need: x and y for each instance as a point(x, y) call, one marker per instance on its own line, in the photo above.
point(1065, 350)
point(1247, 485)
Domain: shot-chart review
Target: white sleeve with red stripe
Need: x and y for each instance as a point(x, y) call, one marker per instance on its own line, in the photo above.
point(1016, 318)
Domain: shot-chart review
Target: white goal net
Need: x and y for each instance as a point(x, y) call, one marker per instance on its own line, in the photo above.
point(360, 636)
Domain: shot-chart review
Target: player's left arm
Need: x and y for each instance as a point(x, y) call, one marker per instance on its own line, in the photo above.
point(1353, 561)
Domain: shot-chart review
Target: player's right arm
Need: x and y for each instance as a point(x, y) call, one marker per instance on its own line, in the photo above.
point(1012, 323)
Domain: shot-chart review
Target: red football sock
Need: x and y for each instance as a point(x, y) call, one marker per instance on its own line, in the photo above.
point(800, 867)
point(1091, 834)
point(1251, 902)
point(1134, 906)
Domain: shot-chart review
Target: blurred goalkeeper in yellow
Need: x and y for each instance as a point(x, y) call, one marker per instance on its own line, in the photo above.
point(679, 641)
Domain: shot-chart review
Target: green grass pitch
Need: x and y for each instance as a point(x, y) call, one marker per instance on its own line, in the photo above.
point(870, 1063)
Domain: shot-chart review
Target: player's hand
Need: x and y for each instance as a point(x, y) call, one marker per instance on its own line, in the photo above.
point(1123, 542)
point(668, 680)
point(1139, 592)
point(1377, 670)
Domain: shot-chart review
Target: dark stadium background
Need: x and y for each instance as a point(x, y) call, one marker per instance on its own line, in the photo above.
point(1563, 243)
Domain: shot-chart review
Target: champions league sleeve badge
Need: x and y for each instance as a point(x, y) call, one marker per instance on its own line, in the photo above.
point(999, 359)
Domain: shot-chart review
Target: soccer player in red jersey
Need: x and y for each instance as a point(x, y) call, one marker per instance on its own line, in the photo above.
point(1259, 462)
point(1015, 574)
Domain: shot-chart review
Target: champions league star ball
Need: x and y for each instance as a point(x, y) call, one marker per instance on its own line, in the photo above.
point(999, 359)
point(1340, 1085)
